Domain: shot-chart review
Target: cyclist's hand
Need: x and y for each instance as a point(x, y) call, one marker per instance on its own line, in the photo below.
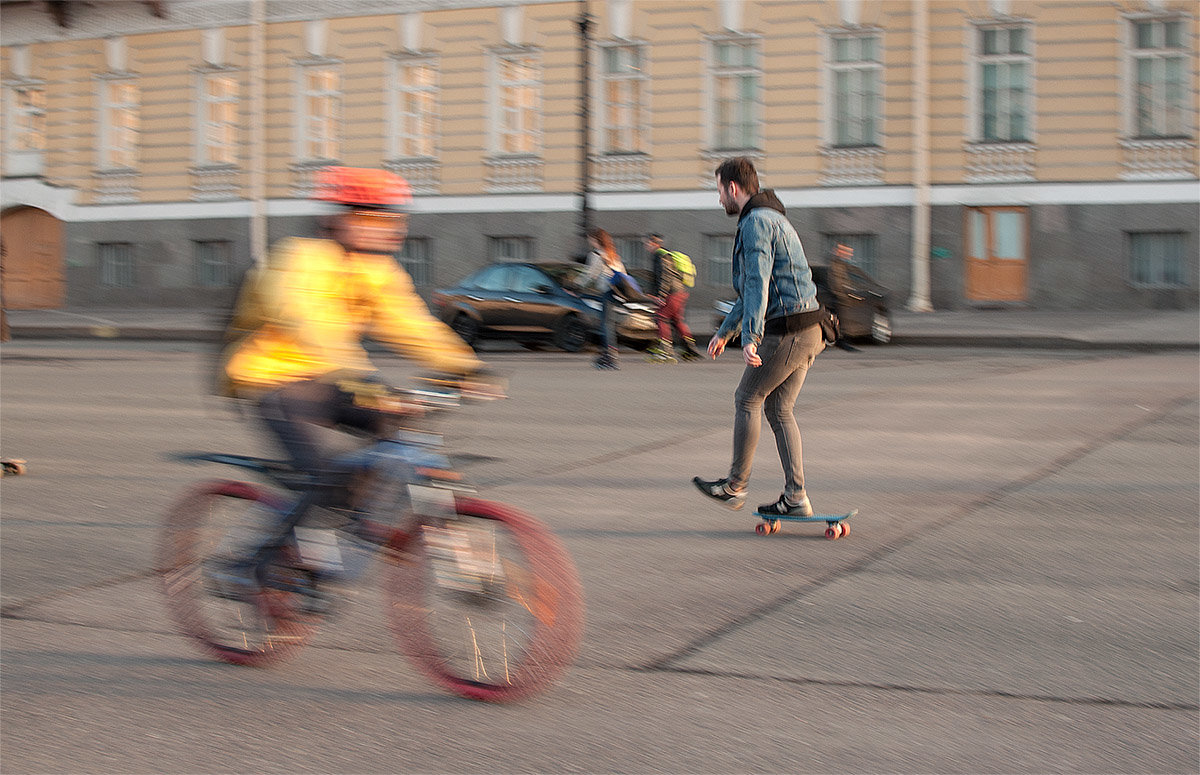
point(484, 384)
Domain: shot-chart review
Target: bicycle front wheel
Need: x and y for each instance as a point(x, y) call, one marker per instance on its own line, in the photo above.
point(487, 604)
point(206, 533)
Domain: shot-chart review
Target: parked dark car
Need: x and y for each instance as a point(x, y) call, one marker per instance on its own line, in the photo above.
point(534, 303)
point(866, 315)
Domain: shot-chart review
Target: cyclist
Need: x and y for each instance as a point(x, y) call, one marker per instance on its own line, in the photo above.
point(295, 338)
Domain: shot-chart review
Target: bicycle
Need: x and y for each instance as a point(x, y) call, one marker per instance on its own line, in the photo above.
point(483, 599)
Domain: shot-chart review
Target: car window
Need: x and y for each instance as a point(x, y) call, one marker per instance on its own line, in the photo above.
point(490, 279)
point(526, 279)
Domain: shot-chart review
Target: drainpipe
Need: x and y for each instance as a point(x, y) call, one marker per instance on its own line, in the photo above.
point(585, 166)
point(258, 176)
point(919, 301)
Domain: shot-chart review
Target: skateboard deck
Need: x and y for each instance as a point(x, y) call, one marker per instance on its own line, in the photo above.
point(836, 526)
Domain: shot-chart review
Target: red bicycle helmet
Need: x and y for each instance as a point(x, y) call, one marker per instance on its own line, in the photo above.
point(363, 187)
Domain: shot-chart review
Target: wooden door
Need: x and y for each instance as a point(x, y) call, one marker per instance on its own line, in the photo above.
point(997, 254)
point(33, 262)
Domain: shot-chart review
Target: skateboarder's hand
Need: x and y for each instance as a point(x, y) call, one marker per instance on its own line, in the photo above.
point(715, 347)
point(750, 355)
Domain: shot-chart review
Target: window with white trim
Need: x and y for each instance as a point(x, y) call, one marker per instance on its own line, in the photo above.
point(218, 118)
point(413, 98)
point(516, 102)
point(510, 248)
point(1004, 77)
point(320, 111)
point(1158, 61)
point(1156, 259)
point(25, 103)
point(115, 261)
point(119, 119)
point(718, 261)
point(414, 257)
point(213, 263)
point(735, 85)
point(855, 76)
point(623, 77)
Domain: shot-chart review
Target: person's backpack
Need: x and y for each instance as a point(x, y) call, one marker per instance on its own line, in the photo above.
point(685, 267)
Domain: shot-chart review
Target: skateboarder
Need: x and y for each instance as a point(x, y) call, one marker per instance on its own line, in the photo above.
point(779, 318)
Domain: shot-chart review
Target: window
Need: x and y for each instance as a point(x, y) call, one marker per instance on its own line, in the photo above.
point(1156, 260)
point(510, 248)
point(218, 119)
point(414, 107)
point(213, 263)
point(632, 251)
point(1159, 72)
point(27, 122)
point(116, 265)
point(321, 101)
point(865, 247)
point(718, 261)
point(735, 82)
point(414, 257)
point(624, 83)
point(118, 123)
point(517, 103)
point(855, 73)
point(1005, 70)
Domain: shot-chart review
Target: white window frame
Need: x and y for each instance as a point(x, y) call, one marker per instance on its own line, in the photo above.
point(1158, 55)
point(118, 143)
point(210, 127)
point(718, 261)
point(416, 258)
point(626, 118)
point(715, 73)
point(861, 68)
point(413, 134)
point(514, 249)
point(25, 120)
point(213, 263)
point(979, 60)
point(1156, 264)
point(527, 129)
point(307, 125)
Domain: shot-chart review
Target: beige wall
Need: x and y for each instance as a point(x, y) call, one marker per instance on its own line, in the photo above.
point(1078, 65)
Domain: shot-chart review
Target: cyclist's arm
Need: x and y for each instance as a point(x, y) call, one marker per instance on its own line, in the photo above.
point(401, 320)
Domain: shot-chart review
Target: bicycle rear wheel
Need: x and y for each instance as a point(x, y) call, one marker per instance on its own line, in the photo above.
point(487, 604)
point(211, 527)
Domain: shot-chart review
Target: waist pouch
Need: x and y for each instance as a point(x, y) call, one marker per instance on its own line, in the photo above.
point(790, 324)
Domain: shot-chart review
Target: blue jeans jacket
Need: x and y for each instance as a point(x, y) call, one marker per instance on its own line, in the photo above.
point(770, 272)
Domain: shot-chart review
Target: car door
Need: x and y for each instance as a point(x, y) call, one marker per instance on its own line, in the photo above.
point(484, 294)
point(533, 295)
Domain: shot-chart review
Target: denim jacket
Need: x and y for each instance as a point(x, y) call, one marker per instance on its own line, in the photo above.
point(770, 273)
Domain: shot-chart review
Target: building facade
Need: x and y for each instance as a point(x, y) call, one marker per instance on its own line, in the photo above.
point(973, 152)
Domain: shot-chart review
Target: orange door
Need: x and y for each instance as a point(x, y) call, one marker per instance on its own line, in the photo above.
point(33, 261)
point(997, 252)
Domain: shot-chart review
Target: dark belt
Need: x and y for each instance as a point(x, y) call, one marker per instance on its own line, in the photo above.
point(790, 324)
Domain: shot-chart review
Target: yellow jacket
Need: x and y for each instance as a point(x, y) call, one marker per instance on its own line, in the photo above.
point(303, 315)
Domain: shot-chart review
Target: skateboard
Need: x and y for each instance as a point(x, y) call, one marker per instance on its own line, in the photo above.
point(12, 467)
point(836, 523)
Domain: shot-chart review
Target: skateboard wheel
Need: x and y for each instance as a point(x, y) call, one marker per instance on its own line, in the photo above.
point(831, 532)
point(776, 526)
point(762, 529)
point(845, 529)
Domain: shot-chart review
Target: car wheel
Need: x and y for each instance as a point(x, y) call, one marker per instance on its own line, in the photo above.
point(466, 327)
point(881, 328)
point(571, 334)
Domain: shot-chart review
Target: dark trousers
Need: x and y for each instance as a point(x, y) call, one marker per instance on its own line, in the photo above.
point(294, 412)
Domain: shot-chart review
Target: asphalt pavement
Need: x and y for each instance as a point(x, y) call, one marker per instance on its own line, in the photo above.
point(1136, 330)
